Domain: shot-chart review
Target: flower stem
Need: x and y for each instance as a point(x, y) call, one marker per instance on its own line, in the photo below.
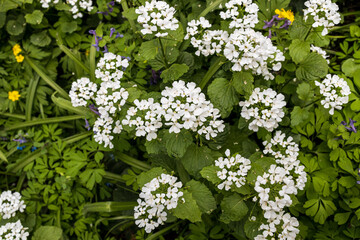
point(212, 70)
point(133, 162)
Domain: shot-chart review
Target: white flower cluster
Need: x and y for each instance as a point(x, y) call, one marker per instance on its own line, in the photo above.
point(320, 51)
point(108, 99)
point(182, 106)
point(324, 12)
point(146, 117)
point(109, 67)
point(336, 92)
point(156, 197)
point(76, 6)
point(250, 50)
point(243, 13)
point(157, 16)
point(246, 48)
point(10, 203)
point(13, 231)
point(264, 109)
point(288, 176)
point(233, 172)
point(82, 90)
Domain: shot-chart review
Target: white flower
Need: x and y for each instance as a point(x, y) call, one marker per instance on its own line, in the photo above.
point(13, 231)
point(243, 13)
point(82, 90)
point(110, 67)
point(320, 51)
point(75, 6)
point(157, 17)
point(10, 203)
point(150, 213)
point(336, 92)
point(324, 13)
point(263, 109)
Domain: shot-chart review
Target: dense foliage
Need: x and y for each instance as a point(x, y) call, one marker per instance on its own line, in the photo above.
point(216, 119)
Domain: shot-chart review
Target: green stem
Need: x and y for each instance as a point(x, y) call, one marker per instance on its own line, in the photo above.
point(113, 176)
point(31, 96)
point(132, 23)
point(13, 115)
point(212, 70)
point(92, 56)
point(46, 78)
point(351, 13)
point(77, 137)
point(211, 8)
point(43, 121)
point(20, 182)
point(163, 52)
point(162, 231)
point(311, 103)
point(343, 26)
point(73, 57)
point(133, 162)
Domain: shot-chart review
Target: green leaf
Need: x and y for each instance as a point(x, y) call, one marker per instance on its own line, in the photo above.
point(14, 27)
point(304, 91)
point(341, 218)
point(177, 143)
point(223, 95)
point(68, 27)
point(346, 165)
point(148, 50)
point(130, 14)
point(298, 50)
point(2, 19)
point(210, 173)
point(3, 156)
point(233, 208)
point(35, 17)
point(355, 105)
point(349, 67)
point(312, 67)
point(243, 83)
point(174, 72)
point(196, 158)
point(299, 28)
point(146, 177)
point(202, 195)
point(48, 233)
point(347, 181)
point(320, 209)
point(259, 165)
point(40, 39)
point(91, 176)
point(6, 5)
point(299, 115)
point(108, 207)
point(188, 209)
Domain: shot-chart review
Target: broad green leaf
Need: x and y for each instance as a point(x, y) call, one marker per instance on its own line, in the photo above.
point(35, 17)
point(346, 165)
point(40, 39)
point(299, 115)
point(342, 218)
point(320, 209)
point(243, 82)
point(299, 29)
point(196, 158)
point(304, 91)
point(48, 233)
point(177, 143)
point(130, 14)
point(146, 177)
point(252, 228)
point(259, 165)
point(223, 95)
point(6, 5)
point(187, 209)
point(347, 181)
point(2, 19)
point(68, 27)
point(233, 208)
point(349, 67)
point(14, 27)
point(148, 50)
point(355, 105)
point(202, 195)
point(210, 173)
point(312, 67)
point(298, 50)
point(174, 72)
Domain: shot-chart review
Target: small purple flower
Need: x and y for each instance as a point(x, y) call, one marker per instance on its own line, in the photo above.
point(87, 125)
point(351, 127)
point(20, 140)
point(94, 109)
point(112, 30)
point(103, 13)
point(105, 49)
point(112, 3)
point(286, 25)
point(93, 32)
point(118, 35)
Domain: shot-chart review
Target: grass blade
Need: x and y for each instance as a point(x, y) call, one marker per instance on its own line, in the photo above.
point(73, 57)
point(3, 156)
point(92, 60)
point(108, 207)
point(66, 104)
point(133, 162)
point(30, 96)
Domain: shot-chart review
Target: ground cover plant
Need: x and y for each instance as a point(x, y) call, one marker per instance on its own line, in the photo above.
point(148, 119)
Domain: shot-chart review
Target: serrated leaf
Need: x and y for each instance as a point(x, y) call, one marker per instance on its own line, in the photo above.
point(223, 95)
point(196, 158)
point(299, 115)
point(174, 72)
point(202, 196)
point(243, 82)
point(233, 208)
point(304, 91)
point(349, 67)
point(298, 50)
point(130, 14)
point(177, 143)
point(35, 17)
point(210, 174)
point(68, 27)
point(48, 233)
point(148, 50)
point(189, 209)
point(312, 67)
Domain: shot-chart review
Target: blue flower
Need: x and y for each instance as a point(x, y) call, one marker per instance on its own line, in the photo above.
point(351, 127)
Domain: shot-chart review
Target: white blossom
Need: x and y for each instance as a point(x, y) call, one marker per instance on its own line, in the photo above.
point(263, 109)
point(13, 231)
point(157, 17)
point(82, 90)
point(324, 13)
point(10, 203)
point(336, 92)
point(243, 13)
point(320, 51)
point(76, 6)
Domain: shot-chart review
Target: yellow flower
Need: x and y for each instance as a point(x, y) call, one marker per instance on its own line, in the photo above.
point(19, 58)
point(87, 53)
point(285, 14)
point(16, 49)
point(14, 96)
